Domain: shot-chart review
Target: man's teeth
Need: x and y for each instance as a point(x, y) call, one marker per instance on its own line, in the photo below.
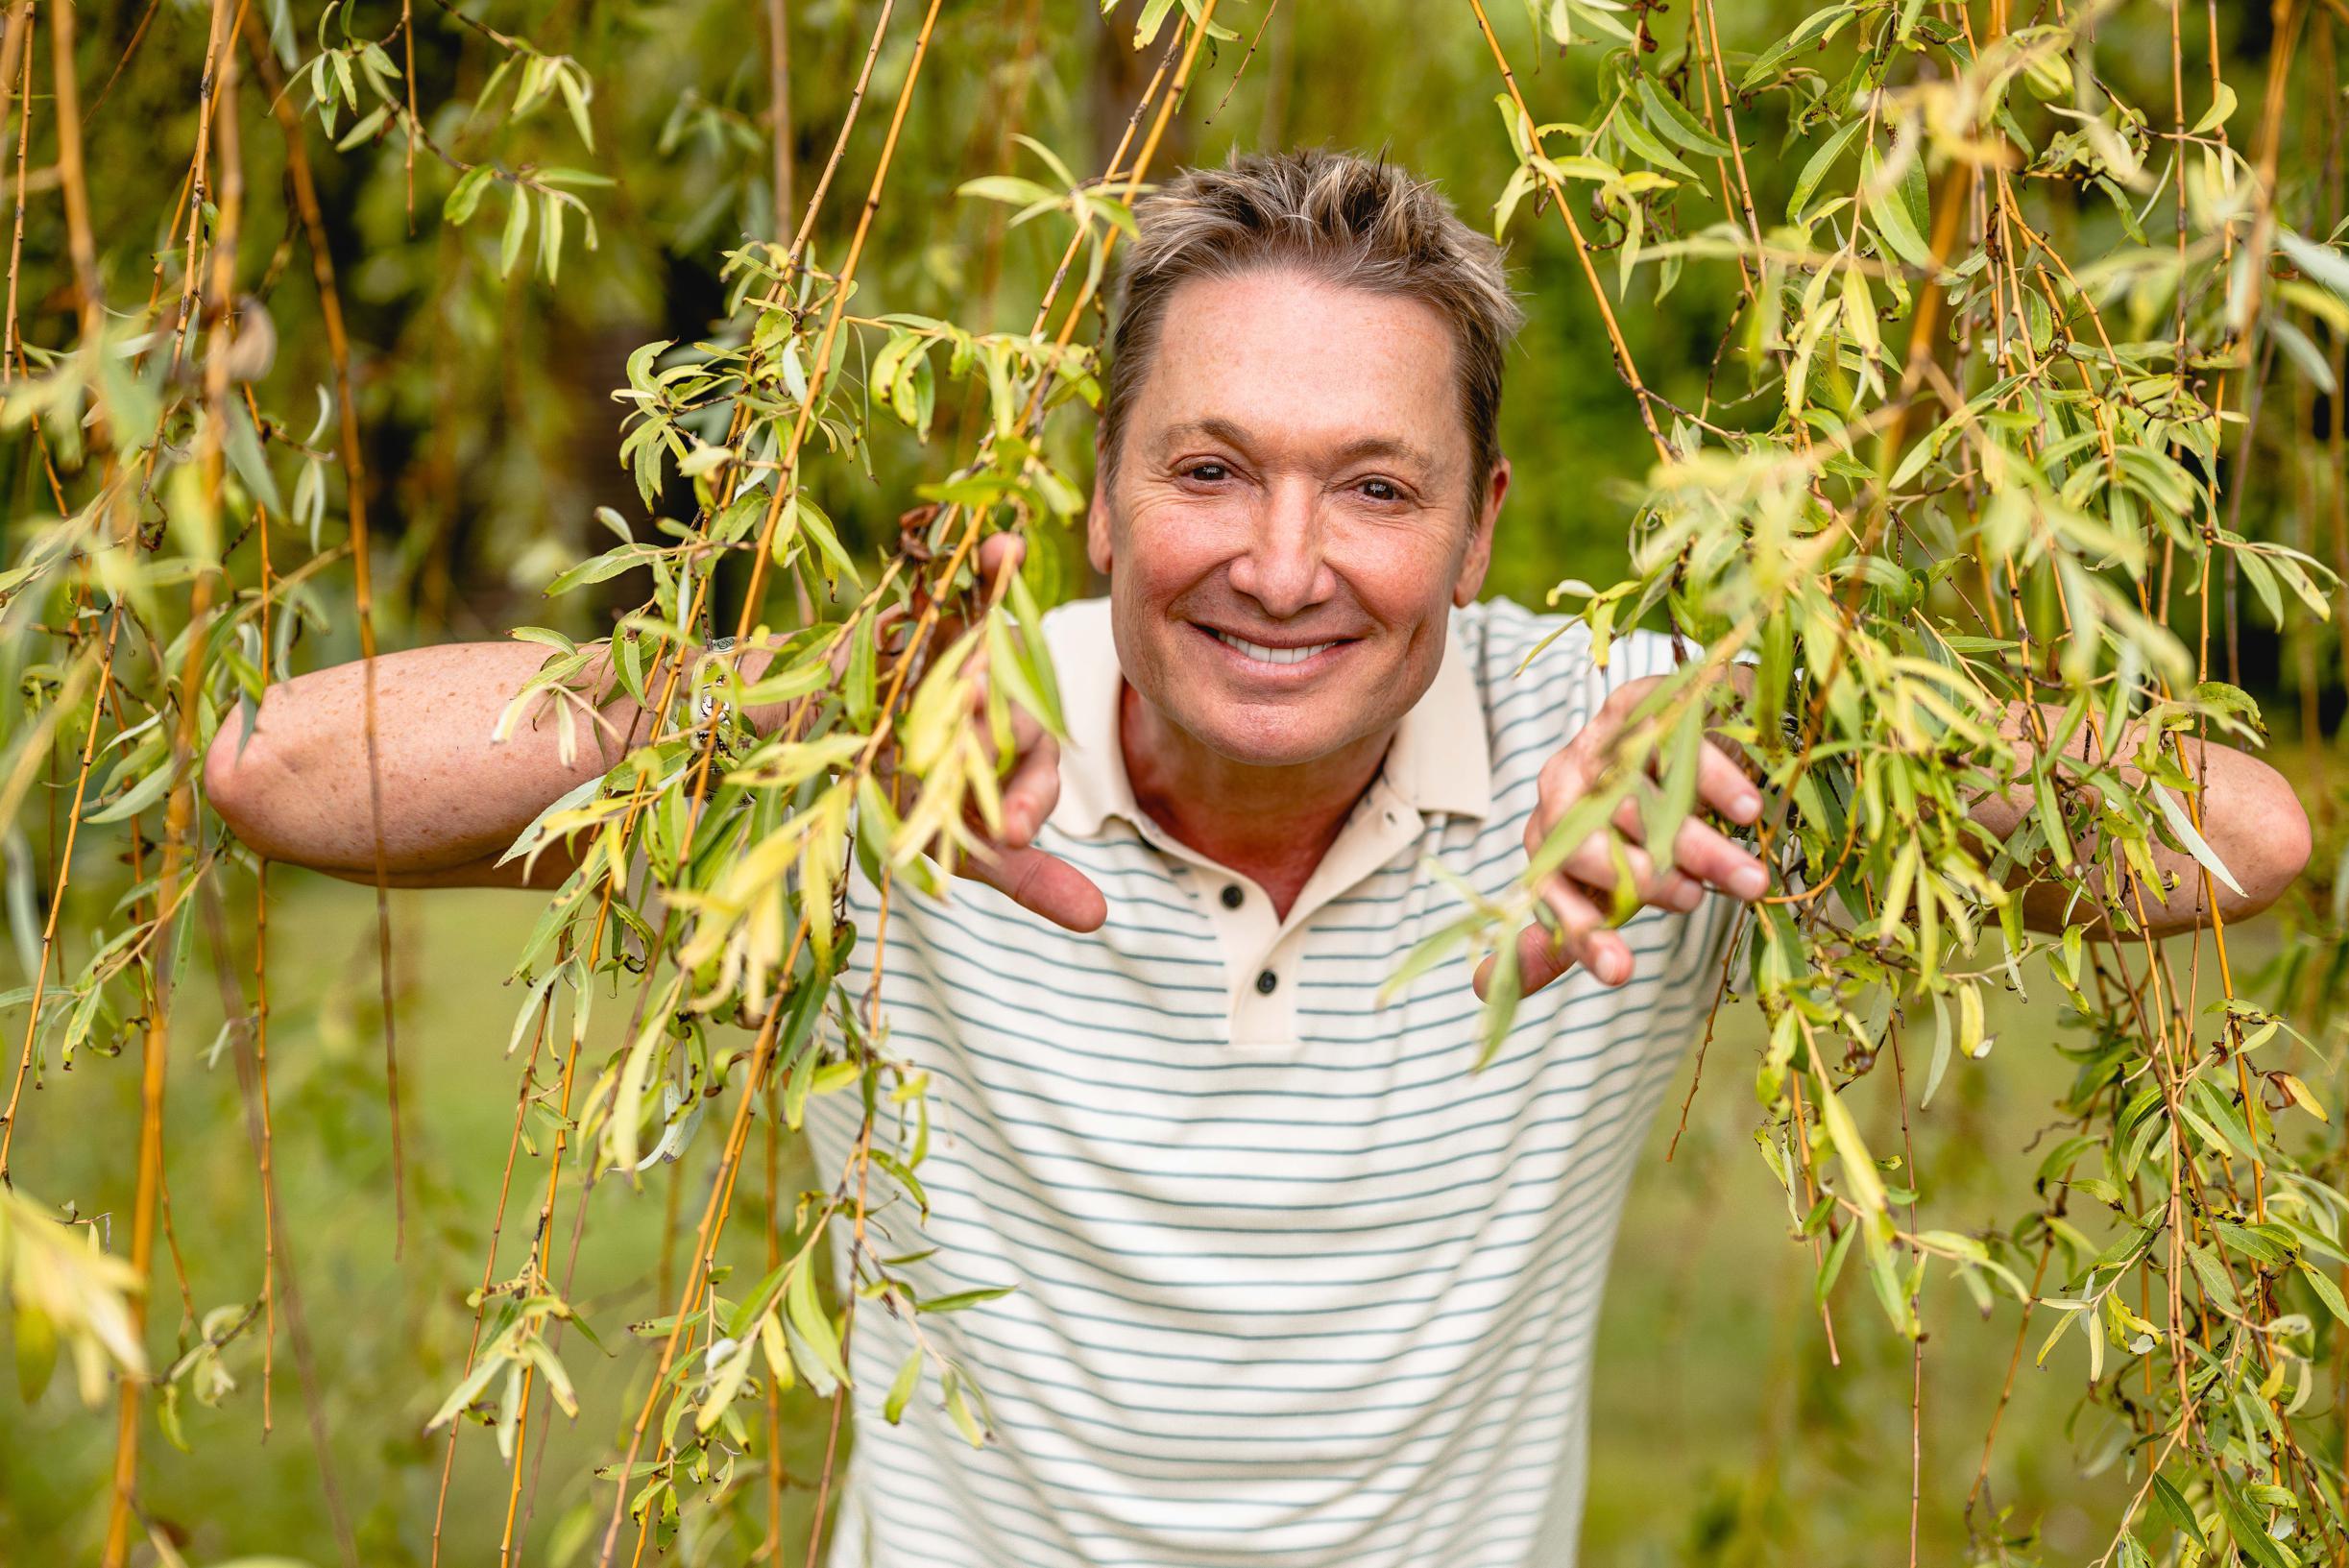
point(1272, 656)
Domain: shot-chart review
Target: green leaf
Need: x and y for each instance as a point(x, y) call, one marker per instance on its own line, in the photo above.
point(1593, 17)
point(2303, 352)
point(567, 80)
point(1009, 188)
point(960, 1300)
point(901, 1389)
point(1817, 165)
point(365, 126)
point(2322, 263)
point(2221, 110)
point(551, 238)
point(518, 228)
point(958, 1409)
point(730, 1375)
point(467, 1391)
point(2249, 1533)
point(1669, 805)
point(2181, 1512)
point(1669, 116)
point(1813, 29)
point(137, 799)
point(1521, 183)
point(810, 1322)
point(459, 208)
point(1890, 214)
point(246, 457)
point(1941, 1051)
point(2326, 1291)
point(1642, 141)
point(1866, 1182)
point(1154, 16)
point(1502, 993)
point(2184, 826)
point(600, 568)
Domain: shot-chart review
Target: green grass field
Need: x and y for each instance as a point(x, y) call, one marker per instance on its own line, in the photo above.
point(1721, 1431)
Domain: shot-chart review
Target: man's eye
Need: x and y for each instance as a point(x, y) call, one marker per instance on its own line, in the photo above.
point(1382, 489)
point(1207, 472)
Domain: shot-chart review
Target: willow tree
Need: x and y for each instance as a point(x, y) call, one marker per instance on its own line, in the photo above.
point(2034, 324)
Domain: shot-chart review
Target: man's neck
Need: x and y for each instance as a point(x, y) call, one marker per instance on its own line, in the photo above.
point(1272, 824)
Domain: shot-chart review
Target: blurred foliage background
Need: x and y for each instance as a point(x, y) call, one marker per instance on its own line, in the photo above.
point(1725, 1432)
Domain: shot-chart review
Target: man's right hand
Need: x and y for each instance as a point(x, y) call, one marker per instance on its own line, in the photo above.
point(1008, 862)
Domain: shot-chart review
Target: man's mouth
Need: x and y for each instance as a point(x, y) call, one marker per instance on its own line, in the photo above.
point(1266, 653)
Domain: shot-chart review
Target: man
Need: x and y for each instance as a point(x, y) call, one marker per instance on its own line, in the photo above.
point(1293, 1287)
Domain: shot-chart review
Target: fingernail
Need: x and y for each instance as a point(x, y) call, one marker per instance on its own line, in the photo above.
point(1748, 807)
point(1750, 881)
point(1615, 968)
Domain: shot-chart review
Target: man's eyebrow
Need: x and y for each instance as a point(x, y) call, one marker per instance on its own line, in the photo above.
point(1235, 435)
point(1214, 429)
point(1386, 446)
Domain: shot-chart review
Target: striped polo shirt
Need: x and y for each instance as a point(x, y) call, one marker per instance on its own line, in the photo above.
point(1293, 1285)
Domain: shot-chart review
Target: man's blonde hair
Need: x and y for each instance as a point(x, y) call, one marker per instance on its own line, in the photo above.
point(1332, 216)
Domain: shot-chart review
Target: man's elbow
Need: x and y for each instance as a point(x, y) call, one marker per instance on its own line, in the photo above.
point(2264, 854)
point(2276, 858)
point(235, 765)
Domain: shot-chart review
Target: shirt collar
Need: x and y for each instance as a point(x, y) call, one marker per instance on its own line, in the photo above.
point(1440, 759)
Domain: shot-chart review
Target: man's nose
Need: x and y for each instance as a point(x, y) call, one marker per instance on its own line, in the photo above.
point(1283, 568)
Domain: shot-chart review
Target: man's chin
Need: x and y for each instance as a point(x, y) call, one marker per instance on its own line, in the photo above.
point(1289, 735)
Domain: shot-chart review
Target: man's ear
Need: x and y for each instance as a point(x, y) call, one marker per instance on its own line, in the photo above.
point(1097, 515)
point(1478, 559)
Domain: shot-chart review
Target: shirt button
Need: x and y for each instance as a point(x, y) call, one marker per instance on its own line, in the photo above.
point(1233, 897)
point(1266, 982)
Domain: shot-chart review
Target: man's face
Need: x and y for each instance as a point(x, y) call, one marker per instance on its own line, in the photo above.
point(1291, 519)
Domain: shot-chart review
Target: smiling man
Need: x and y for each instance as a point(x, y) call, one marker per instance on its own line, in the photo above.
point(1293, 1287)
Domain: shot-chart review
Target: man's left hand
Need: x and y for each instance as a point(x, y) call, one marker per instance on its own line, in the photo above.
point(1581, 889)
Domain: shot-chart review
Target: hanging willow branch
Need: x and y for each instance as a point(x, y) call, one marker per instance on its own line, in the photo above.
point(1963, 450)
point(2031, 480)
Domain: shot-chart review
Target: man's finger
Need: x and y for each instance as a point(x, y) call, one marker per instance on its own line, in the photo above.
point(1699, 851)
point(1043, 884)
point(1032, 792)
point(1593, 865)
point(1723, 785)
point(1542, 957)
point(1588, 940)
point(999, 557)
point(1704, 852)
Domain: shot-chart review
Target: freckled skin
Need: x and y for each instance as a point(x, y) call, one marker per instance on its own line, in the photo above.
point(1294, 471)
point(1281, 525)
point(296, 787)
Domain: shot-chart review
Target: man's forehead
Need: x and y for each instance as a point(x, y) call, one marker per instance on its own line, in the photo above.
point(1271, 358)
point(1341, 444)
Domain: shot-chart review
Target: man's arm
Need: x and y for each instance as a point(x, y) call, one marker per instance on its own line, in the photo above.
point(2253, 822)
point(453, 796)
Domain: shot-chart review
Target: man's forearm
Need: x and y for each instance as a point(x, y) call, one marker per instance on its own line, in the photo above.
point(2252, 820)
point(453, 796)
